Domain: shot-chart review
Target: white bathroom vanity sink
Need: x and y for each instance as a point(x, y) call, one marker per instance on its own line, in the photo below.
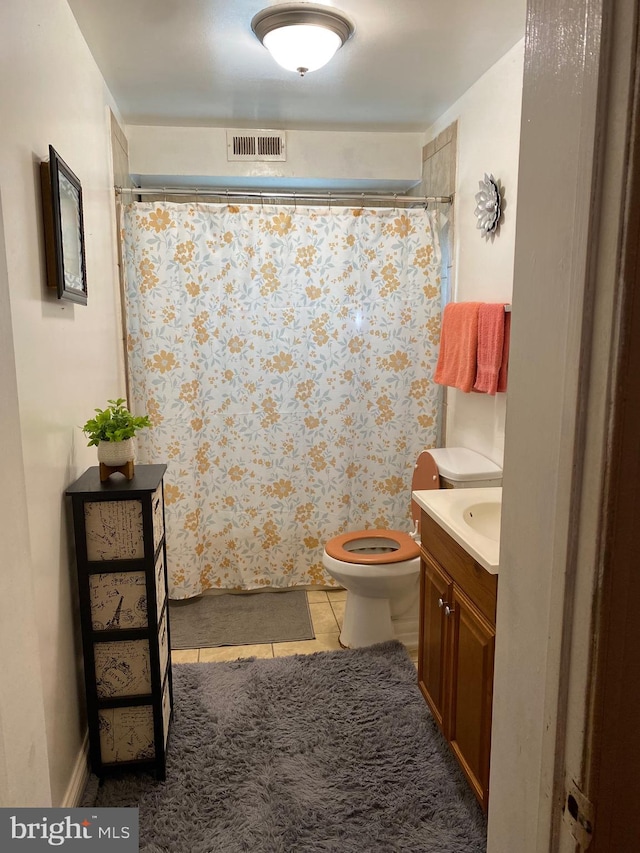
point(471, 517)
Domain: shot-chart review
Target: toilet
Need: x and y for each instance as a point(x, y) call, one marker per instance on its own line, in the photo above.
point(380, 569)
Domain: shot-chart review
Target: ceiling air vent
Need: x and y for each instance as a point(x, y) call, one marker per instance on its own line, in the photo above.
point(256, 145)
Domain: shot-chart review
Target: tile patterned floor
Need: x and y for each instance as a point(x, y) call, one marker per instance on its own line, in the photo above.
point(327, 612)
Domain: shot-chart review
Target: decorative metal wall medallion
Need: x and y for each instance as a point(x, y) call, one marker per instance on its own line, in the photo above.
point(489, 206)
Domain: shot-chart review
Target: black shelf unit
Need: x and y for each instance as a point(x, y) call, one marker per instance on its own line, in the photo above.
point(122, 583)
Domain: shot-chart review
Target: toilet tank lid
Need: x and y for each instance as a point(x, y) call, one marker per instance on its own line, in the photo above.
point(465, 465)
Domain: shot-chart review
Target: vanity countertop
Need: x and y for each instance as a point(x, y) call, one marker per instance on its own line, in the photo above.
point(471, 517)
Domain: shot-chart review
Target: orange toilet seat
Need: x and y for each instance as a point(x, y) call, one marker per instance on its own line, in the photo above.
point(407, 549)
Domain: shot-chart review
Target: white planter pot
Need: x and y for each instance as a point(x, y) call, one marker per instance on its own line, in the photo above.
point(116, 453)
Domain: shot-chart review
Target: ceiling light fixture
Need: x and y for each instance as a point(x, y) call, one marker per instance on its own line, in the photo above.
point(302, 36)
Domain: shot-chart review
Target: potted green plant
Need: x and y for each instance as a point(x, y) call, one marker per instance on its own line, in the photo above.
point(112, 431)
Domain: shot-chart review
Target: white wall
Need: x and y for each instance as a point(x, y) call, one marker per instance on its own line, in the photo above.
point(488, 117)
point(24, 770)
point(321, 156)
point(67, 358)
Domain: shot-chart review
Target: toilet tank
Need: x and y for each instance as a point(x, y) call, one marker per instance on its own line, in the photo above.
point(460, 467)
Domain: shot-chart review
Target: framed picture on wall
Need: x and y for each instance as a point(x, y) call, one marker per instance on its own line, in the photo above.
point(63, 229)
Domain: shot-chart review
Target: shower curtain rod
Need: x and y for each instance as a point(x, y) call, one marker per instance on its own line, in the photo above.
point(302, 196)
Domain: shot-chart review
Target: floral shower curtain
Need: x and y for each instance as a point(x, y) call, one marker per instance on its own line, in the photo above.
point(285, 357)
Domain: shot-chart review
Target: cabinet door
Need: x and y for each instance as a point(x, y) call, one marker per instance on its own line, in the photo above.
point(468, 717)
point(436, 588)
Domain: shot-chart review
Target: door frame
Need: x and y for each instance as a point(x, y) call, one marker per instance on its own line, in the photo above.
point(612, 744)
point(572, 344)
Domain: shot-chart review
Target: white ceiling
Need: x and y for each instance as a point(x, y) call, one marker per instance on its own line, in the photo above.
point(197, 62)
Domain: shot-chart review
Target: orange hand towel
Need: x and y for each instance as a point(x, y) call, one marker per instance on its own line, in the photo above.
point(490, 347)
point(504, 367)
point(458, 346)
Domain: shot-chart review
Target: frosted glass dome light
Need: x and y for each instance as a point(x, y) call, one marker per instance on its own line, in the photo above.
point(301, 37)
point(302, 46)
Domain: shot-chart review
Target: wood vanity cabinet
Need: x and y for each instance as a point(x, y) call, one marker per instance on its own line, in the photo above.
point(456, 651)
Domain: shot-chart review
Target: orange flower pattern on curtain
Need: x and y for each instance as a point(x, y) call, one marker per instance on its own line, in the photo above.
point(285, 357)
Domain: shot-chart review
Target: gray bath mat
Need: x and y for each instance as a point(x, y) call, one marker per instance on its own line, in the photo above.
point(240, 620)
point(334, 752)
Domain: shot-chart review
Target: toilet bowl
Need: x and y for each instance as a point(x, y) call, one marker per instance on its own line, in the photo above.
point(380, 569)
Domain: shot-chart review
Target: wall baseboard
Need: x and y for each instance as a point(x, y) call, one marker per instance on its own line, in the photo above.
point(79, 777)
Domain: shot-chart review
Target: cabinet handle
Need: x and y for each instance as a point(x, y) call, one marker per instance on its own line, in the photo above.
point(448, 610)
point(440, 602)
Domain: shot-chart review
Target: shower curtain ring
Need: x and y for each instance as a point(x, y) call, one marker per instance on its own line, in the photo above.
point(164, 189)
point(395, 202)
point(295, 202)
point(329, 202)
point(362, 207)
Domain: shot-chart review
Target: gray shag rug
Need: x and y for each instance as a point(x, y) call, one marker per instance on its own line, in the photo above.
point(334, 751)
point(240, 619)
